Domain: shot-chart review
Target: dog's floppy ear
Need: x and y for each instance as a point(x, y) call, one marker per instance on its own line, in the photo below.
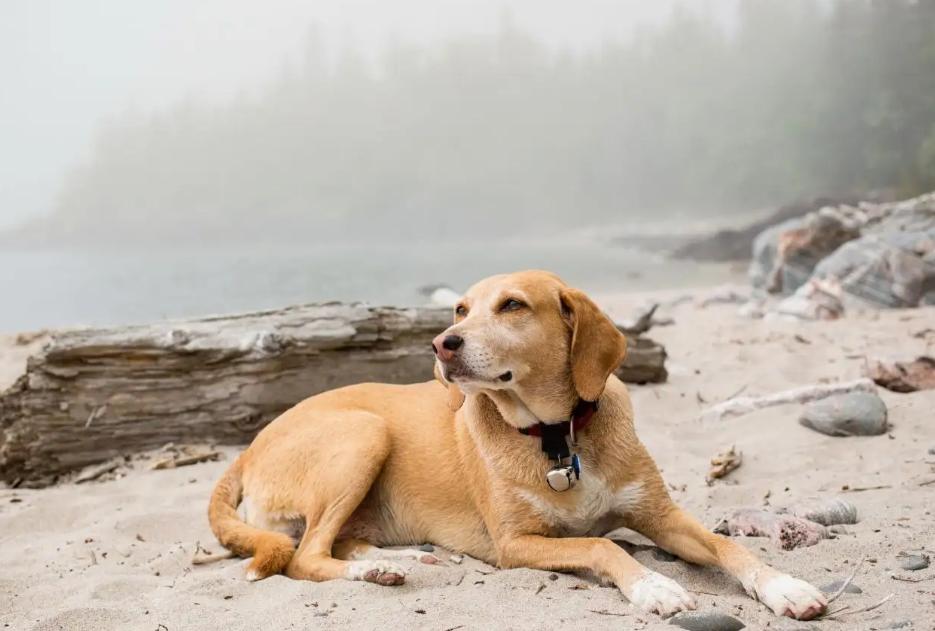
point(455, 396)
point(597, 346)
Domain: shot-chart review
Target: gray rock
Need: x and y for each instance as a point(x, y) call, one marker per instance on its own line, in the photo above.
point(853, 414)
point(902, 624)
point(913, 562)
point(666, 557)
point(833, 587)
point(932, 451)
point(427, 547)
point(706, 621)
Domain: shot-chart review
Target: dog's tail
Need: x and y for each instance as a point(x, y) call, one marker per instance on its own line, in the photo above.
point(271, 551)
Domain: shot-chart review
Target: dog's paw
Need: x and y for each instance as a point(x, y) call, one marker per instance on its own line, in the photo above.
point(380, 572)
point(788, 596)
point(654, 593)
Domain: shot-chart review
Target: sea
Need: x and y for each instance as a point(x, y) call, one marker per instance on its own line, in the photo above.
point(50, 287)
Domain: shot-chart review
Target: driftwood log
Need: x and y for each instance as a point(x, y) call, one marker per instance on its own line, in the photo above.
point(94, 394)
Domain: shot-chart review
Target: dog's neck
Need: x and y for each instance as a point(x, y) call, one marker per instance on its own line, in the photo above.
point(521, 414)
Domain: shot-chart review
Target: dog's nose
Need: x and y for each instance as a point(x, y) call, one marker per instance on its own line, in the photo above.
point(446, 345)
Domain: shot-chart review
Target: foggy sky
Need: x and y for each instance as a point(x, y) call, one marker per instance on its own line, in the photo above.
point(68, 66)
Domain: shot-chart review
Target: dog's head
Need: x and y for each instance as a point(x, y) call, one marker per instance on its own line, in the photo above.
point(530, 334)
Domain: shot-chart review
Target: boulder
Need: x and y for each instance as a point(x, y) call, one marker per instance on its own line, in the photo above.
point(870, 255)
point(854, 414)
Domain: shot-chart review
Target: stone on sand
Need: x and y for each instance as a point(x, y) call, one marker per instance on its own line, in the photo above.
point(706, 621)
point(853, 414)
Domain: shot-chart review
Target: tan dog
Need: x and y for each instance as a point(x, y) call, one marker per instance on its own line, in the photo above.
point(384, 465)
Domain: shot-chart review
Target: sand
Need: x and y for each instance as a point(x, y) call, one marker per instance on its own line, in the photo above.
point(115, 554)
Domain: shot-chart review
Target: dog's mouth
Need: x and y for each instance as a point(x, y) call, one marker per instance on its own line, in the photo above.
point(458, 373)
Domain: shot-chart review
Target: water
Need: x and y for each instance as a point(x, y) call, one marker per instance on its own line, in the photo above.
point(42, 288)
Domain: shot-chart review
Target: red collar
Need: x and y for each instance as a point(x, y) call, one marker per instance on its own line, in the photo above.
point(580, 416)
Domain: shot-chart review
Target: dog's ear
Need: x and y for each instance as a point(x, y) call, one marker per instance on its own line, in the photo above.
point(597, 346)
point(455, 396)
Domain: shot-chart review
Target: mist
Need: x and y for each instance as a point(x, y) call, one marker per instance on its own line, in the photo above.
point(225, 124)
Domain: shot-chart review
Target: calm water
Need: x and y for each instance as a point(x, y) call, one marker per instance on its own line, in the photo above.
point(65, 287)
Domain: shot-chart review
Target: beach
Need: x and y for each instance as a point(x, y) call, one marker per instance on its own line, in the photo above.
point(116, 553)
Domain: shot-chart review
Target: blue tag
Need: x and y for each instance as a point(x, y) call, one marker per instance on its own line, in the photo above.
point(576, 466)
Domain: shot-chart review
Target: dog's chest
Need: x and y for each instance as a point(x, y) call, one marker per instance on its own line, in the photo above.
point(587, 508)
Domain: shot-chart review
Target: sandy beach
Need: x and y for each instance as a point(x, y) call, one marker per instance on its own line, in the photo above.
point(116, 553)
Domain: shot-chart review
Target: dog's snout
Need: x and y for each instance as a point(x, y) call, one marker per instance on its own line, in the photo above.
point(446, 345)
point(453, 342)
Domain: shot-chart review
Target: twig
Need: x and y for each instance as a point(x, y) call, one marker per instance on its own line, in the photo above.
point(737, 406)
point(95, 473)
point(202, 556)
point(847, 582)
point(604, 612)
point(173, 462)
point(907, 579)
point(927, 482)
point(862, 610)
point(540, 588)
point(860, 489)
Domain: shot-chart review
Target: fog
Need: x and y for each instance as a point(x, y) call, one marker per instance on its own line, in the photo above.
point(348, 124)
point(71, 68)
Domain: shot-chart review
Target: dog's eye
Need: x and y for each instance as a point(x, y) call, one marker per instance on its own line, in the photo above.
point(460, 311)
point(511, 304)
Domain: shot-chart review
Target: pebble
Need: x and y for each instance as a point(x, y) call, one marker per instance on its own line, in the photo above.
point(852, 414)
point(833, 587)
point(932, 451)
point(427, 547)
point(706, 621)
point(902, 624)
point(913, 562)
point(661, 555)
point(457, 559)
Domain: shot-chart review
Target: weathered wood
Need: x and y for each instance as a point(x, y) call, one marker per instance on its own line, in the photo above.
point(93, 394)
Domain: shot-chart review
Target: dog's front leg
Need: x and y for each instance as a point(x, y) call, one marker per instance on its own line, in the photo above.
point(676, 531)
point(646, 589)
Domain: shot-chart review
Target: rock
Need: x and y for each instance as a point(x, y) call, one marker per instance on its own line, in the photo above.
point(457, 559)
point(737, 245)
point(827, 512)
point(932, 451)
point(833, 587)
point(908, 376)
point(815, 300)
point(661, 555)
point(884, 270)
point(427, 547)
point(853, 414)
point(786, 255)
point(879, 255)
point(913, 562)
point(786, 531)
point(902, 624)
point(706, 621)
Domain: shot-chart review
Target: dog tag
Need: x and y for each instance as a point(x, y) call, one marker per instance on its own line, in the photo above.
point(561, 477)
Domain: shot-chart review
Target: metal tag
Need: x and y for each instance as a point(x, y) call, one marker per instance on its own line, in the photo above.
point(561, 477)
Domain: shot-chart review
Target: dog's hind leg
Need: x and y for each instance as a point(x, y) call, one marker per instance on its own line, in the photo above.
point(357, 549)
point(338, 484)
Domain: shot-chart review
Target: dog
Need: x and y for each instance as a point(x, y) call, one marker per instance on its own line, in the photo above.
point(478, 461)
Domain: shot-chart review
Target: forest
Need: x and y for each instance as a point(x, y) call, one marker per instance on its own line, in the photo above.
point(794, 98)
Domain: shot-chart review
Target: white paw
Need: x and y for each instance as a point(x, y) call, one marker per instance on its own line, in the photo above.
point(654, 593)
point(380, 572)
point(788, 596)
